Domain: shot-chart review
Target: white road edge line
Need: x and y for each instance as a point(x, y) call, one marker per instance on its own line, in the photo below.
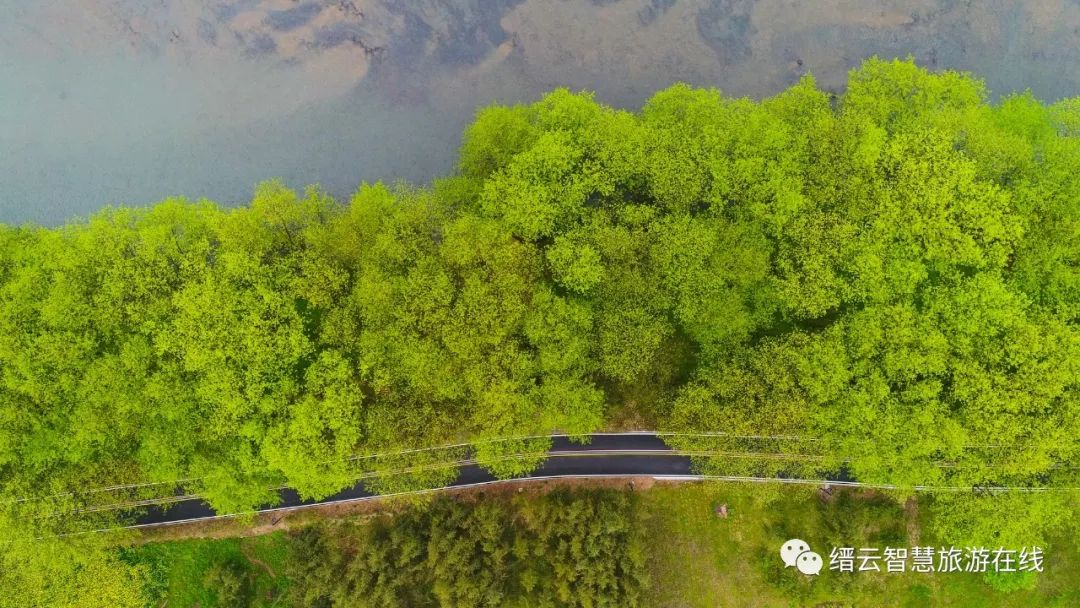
point(363, 499)
point(822, 482)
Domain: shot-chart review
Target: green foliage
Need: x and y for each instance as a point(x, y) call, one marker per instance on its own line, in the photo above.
point(577, 267)
point(664, 545)
point(512, 458)
point(579, 549)
point(735, 558)
point(79, 572)
point(884, 282)
point(587, 552)
point(921, 324)
point(230, 584)
point(219, 573)
point(1011, 581)
point(1001, 519)
point(872, 520)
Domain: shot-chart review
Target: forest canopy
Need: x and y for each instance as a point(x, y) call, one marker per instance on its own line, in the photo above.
point(886, 280)
point(564, 549)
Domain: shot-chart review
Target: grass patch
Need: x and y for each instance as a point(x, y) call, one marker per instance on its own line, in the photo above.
point(694, 558)
point(700, 560)
point(211, 573)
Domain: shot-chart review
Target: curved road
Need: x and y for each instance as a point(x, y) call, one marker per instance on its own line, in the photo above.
point(606, 455)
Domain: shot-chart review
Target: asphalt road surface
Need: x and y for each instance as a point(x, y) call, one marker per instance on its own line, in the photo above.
point(607, 455)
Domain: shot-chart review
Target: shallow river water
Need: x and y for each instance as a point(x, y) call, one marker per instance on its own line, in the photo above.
point(130, 101)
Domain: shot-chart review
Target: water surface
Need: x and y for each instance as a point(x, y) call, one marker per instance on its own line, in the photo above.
point(130, 101)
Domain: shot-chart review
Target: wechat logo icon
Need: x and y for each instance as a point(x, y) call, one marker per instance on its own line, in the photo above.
point(797, 553)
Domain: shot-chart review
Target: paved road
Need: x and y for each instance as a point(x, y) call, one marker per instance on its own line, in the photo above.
point(649, 457)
